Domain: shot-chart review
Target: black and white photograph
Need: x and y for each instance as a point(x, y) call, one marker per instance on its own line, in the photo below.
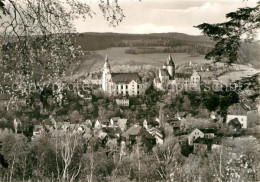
point(129, 91)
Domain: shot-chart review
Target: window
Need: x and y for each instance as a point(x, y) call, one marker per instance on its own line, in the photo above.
point(126, 86)
point(138, 86)
point(137, 92)
point(122, 86)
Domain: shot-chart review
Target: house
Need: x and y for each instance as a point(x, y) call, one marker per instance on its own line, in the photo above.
point(37, 130)
point(200, 133)
point(241, 118)
point(137, 134)
point(158, 134)
point(176, 126)
point(208, 133)
point(194, 135)
point(241, 111)
point(97, 125)
point(114, 121)
point(203, 144)
point(122, 102)
point(216, 145)
point(183, 140)
point(104, 122)
point(122, 124)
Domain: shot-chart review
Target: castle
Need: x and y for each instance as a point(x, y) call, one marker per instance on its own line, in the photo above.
point(125, 84)
point(167, 79)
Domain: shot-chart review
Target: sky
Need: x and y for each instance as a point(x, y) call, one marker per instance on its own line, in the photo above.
point(159, 16)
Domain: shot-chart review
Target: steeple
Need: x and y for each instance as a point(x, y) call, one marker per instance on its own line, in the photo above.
point(106, 65)
point(170, 61)
point(106, 59)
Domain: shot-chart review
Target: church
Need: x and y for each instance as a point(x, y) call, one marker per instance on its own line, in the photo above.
point(167, 79)
point(124, 84)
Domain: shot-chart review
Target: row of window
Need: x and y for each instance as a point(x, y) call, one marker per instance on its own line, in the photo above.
point(127, 93)
point(126, 86)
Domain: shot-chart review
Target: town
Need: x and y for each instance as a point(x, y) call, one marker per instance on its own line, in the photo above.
point(118, 112)
point(129, 91)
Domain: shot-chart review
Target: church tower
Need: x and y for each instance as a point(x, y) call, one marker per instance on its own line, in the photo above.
point(170, 66)
point(106, 76)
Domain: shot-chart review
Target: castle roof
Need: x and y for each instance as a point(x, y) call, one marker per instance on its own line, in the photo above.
point(125, 77)
point(170, 61)
point(182, 75)
point(164, 72)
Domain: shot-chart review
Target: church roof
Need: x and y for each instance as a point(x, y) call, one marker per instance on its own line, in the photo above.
point(125, 77)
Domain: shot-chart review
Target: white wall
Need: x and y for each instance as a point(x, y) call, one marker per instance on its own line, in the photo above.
point(241, 118)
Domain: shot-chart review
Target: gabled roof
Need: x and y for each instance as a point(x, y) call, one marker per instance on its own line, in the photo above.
point(125, 77)
point(235, 122)
point(137, 130)
point(237, 109)
point(207, 130)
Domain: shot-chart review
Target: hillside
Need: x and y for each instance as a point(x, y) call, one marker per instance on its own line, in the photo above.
point(169, 42)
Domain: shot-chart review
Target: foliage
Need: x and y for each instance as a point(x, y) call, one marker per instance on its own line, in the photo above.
point(228, 34)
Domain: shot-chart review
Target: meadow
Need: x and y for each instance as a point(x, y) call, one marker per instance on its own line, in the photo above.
point(117, 56)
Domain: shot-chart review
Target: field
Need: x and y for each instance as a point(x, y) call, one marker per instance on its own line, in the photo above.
point(117, 56)
point(93, 61)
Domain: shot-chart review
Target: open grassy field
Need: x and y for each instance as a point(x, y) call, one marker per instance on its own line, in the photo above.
point(117, 56)
point(93, 61)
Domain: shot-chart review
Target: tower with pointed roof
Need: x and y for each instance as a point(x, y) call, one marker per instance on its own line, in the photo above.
point(106, 76)
point(170, 66)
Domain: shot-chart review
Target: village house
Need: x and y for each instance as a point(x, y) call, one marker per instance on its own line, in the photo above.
point(114, 122)
point(137, 134)
point(202, 144)
point(122, 102)
point(239, 111)
point(200, 133)
point(158, 134)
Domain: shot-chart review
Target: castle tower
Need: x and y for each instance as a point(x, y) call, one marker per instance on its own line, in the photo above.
point(106, 76)
point(170, 66)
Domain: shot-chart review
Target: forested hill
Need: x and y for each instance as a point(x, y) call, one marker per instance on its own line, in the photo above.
point(175, 42)
point(98, 41)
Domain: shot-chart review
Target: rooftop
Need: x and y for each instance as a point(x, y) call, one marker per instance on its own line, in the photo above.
point(125, 77)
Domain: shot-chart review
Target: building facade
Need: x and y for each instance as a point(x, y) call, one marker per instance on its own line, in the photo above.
point(168, 80)
point(125, 84)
